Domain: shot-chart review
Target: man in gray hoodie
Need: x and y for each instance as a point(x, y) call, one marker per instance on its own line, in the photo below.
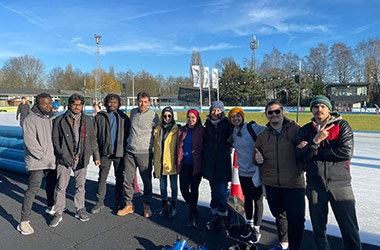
point(38, 154)
point(140, 153)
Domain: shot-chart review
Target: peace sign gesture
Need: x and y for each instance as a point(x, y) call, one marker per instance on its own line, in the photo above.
point(323, 133)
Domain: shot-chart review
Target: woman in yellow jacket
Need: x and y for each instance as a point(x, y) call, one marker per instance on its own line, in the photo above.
point(164, 160)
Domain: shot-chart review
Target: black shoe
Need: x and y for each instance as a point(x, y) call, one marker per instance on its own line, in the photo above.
point(96, 209)
point(172, 209)
point(56, 220)
point(192, 221)
point(247, 232)
point(212, 223)
point(164, 212)
point(255, 237)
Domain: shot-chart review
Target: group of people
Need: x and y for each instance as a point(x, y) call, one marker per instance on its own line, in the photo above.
point(272, 162)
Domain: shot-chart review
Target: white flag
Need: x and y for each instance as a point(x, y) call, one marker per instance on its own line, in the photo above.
point(206, 77)
point(215, 78)
point(195, 69)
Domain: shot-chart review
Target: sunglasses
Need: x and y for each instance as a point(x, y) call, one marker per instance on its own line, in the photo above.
point(277, 111)
point(167, 116)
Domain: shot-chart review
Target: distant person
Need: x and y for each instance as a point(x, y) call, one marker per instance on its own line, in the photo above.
point(216, 165)
point(326, 149)
point(64, 105)
point(22, 110)
point(139, 153)
point(38, 155)
point(55, 107)
point(112, 130)
point(190, 145)
point(97, 107)
point(165, 161)
point(249, 174)
point(74, 141)
point(284, 180)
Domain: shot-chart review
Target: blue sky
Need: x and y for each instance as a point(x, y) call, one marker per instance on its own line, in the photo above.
point(159, 36)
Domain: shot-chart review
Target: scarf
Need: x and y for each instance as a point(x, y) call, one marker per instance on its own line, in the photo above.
point(76, 124)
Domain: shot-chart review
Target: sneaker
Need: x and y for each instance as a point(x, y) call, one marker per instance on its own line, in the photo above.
point(96, 209)
point(81, 214)
point(279, 247)
point(56, 220)
point(255, 236)
point(247, 232)
point(25, 228)
point(191, 222)
point(126, 210)
point(147, 211)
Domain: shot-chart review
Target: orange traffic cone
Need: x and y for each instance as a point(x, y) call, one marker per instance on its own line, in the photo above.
point(235, 184)
point(136, 187)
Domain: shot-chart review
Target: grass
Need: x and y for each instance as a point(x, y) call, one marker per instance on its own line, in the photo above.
point(358, 122)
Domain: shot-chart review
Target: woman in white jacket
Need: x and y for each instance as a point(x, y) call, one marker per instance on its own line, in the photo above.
point(249, 174)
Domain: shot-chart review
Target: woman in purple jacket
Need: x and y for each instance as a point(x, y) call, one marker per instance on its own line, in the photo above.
point(189, 162)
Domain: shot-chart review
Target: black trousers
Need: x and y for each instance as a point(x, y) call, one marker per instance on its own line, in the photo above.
point(287, 205)
point(189, 186)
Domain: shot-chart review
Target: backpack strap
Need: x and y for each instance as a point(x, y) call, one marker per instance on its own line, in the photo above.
point(250, 130)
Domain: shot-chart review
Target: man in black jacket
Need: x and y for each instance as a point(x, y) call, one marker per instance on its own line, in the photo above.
point(325, 147)
point(74, 141)
point(112, 131)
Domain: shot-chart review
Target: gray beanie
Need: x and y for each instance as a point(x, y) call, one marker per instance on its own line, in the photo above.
point(218, 105)
point(320, 99)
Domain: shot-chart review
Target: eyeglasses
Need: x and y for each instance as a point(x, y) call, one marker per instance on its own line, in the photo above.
point(277, 111)
point(167, 116)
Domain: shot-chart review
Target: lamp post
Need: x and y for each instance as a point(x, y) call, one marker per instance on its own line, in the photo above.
point(254, 44)
point(97, 75)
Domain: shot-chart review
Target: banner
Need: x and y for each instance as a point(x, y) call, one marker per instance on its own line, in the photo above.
point(215, 78)
point(196, 75)
point(206, 77)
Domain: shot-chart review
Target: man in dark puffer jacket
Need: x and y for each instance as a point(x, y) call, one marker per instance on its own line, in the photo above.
point(326, 148)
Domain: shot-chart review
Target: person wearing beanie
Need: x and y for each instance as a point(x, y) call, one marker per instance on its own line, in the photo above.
point(165, 159)
point(217, 165)
point(249, 174)
point(282, 176)
point(189, 162)
point(325, 147)
point(321, 99)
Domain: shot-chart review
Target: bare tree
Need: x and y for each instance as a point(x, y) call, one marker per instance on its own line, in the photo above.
point(23, 72)
point(342, 62)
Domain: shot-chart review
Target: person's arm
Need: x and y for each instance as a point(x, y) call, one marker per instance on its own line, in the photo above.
point(31, 141)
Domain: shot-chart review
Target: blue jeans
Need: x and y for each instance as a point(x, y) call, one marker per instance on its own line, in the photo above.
point(173, 185)
point(219, 198)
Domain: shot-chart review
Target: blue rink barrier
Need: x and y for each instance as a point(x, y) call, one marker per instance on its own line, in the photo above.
point(12, 149)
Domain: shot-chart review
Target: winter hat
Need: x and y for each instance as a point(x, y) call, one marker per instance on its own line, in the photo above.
point(194, 112)
point(320, 99)
point(234, 111)
point(218, 105)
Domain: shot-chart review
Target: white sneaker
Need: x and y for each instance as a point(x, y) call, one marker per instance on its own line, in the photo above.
point(25, 228)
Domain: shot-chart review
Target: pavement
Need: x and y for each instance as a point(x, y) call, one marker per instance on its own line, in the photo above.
point(106, 230)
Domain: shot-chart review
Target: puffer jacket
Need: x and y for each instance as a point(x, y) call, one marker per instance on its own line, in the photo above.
point(165, 152)
point(216, 163)
point(327, 165)
point(280, 168)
